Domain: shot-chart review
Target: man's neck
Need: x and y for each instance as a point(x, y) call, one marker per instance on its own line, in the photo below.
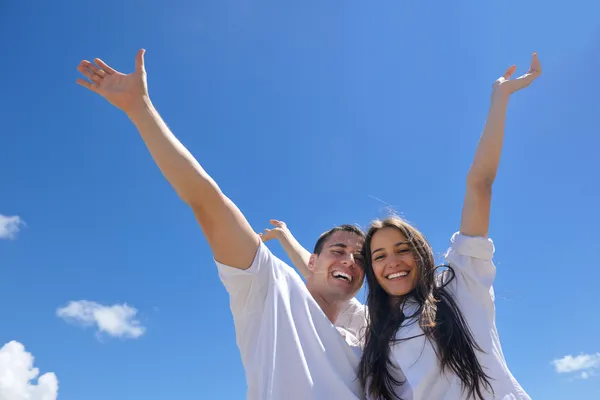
point(330, 308)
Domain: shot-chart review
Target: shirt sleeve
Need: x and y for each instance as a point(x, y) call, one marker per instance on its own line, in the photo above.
point(472, 257)
point(471, 260)
point(248, 288)
point(248, 293)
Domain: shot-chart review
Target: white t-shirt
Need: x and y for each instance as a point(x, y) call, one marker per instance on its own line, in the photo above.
point(471, 259)
point(353, 318)
point(289, 349)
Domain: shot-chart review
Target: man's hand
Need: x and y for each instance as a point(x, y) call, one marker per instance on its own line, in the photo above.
point(231, 238)
point(126, 92)
point(275, 233)
point(299, 256)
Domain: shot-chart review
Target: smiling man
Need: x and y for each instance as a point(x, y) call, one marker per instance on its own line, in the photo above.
point(336, 271)
point(289, 346)
point(330, 286)
point(284, 328)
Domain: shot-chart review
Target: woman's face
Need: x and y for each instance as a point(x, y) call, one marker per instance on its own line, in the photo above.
point(393, 262)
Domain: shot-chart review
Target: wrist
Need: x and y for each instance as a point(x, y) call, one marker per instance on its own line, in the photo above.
point(500, 96)
point(283, 234)
point(139, 107)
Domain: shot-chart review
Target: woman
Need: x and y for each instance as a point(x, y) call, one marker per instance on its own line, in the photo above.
point(439, 329)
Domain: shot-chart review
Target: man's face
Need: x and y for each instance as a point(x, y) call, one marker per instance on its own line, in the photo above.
point(337, 273)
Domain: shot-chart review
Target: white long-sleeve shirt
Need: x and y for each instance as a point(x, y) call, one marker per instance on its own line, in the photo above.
point(471, 260)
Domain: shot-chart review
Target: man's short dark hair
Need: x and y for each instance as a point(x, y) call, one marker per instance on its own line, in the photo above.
point(343, 228)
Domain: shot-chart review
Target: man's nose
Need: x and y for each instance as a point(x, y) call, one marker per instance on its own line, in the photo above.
point(349, 260)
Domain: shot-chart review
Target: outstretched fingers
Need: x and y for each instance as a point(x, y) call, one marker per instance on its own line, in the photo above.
point(95, 73)
point(276, 223)
point(95, 69)
point(535, 67)
point(139, 60)
point(105, 67)
point(267, 235)
point(90, 71)
point(535, 70)
point(513, 85)
point(86, 84)
point(509, 72)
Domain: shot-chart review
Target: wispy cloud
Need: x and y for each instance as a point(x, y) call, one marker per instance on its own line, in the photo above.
point(584, 365)
point(117, 320)
point(17, 373)
point(10, 226)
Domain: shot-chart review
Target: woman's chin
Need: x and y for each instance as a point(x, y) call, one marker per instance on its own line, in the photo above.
point(395, 288)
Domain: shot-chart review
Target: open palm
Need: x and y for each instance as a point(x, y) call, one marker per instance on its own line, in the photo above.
point(124, 91)
point(507, 86)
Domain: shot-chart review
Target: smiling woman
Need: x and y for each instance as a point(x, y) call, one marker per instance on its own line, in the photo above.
point(438, 330)
point(389, 242)
point(404, 290)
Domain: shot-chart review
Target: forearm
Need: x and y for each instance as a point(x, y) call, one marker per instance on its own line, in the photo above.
point(487, 157)
point(478, 197)
point(482, 174)
point(299, 256)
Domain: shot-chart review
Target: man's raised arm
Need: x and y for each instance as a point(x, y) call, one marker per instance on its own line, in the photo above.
point(229, 234)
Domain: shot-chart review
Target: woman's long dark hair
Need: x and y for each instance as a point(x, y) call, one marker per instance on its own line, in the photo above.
point(437, 314)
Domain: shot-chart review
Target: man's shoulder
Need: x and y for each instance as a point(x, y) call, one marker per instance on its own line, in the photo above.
point(348, 336)
point(267, 273)
point(353, 318)
point(264, 263)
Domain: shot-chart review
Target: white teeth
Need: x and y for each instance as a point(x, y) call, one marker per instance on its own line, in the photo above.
point(397, 275)
point(343, 275)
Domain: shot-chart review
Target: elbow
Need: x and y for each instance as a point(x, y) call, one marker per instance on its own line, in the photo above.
point(480, 183)
point(201, 196)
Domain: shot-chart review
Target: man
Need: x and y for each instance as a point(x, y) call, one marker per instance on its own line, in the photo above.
point(352, 316)
point(289, 346)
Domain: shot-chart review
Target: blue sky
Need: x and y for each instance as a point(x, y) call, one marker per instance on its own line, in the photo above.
point(316, 113)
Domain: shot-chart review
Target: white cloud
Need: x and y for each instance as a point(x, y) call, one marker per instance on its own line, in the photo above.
point(584, 364)
point(10, 226)
point(117, 320)
point(17, 372)
point(585, 375)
